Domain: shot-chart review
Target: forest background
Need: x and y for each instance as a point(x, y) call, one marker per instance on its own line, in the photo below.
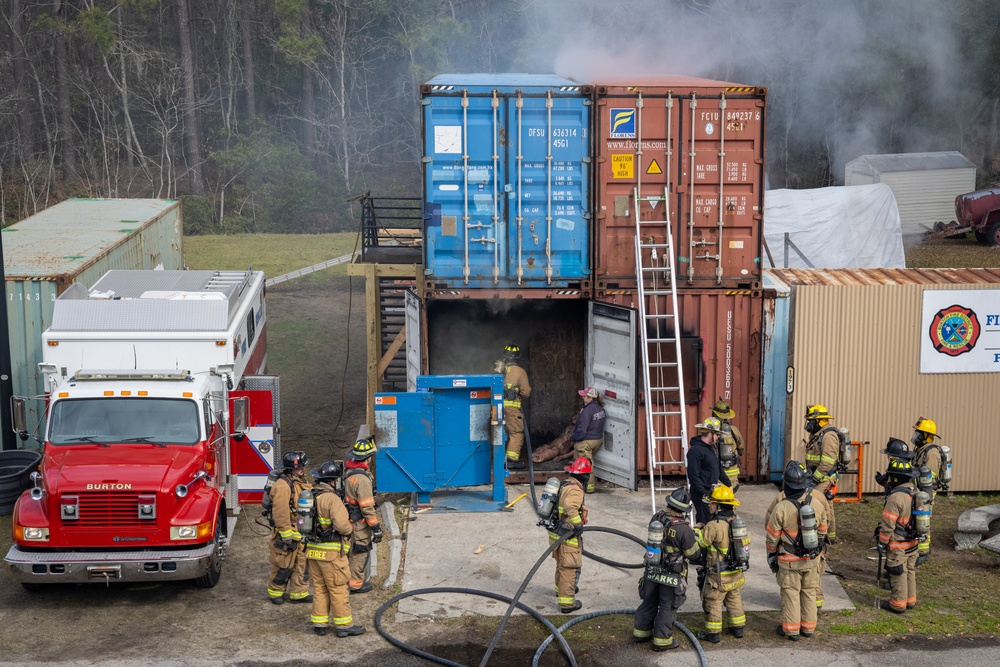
point(271, 115)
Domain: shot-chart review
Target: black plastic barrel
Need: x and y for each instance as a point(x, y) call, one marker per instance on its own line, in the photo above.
point(16, 466)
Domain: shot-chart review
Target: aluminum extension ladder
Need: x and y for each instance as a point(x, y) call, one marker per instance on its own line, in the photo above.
point(656, 278)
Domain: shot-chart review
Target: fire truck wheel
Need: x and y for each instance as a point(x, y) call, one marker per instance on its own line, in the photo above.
point(993, 234)
point(211, 578)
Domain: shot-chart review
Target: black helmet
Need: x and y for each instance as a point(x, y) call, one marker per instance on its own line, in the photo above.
point(795, 477)
point(294, 460)
point(897, 449)
point(511, 352)
point(328, 471)
point(679, 500)
point(900, 472)
point(362, 449)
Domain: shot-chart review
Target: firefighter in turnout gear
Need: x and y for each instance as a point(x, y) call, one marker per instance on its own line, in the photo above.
point(588, 434)
point(288, 553)
point(897, 538)
point(570, 517)
point(796, 524)
point(327, 550)
point(515, 388)
point(725, 563)
point(930, 455)
point(359, 496)
point(671, 543)
point(822, 455)
point(731, 444)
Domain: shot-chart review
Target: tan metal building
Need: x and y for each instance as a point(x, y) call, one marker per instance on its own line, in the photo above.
point(856, 343)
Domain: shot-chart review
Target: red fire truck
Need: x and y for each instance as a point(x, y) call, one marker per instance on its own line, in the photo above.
point(153, 378)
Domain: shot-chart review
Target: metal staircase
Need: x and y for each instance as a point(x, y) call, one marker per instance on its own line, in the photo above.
point(656, 277)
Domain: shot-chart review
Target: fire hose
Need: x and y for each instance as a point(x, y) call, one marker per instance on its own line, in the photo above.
point(514, 603)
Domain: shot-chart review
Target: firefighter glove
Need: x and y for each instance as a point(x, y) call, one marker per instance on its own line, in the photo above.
point(772, 562)
point(881, 547)
point(377, 534)
point(880, 478)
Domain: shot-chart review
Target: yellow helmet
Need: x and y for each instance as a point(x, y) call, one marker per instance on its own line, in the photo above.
point(722, 495)
point(364, 448)
point(711, 424)
point(511, 351)
point(926, 426)
point(817, 412)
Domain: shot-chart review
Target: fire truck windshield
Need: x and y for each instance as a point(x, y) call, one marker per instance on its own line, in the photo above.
point(116, 420)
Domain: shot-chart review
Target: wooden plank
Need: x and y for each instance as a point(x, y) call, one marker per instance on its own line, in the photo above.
point(397, 343)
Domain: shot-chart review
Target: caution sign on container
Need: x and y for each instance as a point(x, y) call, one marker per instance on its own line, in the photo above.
point(654, 168)
point(623, 165)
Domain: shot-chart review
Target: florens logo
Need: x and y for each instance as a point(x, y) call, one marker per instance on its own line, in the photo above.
point(622, 124)
point(954, 330)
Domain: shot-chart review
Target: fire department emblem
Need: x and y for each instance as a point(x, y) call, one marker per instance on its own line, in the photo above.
point(954, 330)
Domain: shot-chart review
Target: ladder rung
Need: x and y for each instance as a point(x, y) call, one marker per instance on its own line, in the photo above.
point(658, 246)
point(657, 292)
point(662, 364)
point(661, 340)
point(664, 316)
point(666, 414)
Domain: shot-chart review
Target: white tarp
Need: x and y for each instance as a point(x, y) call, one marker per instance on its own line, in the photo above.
point(847, 227)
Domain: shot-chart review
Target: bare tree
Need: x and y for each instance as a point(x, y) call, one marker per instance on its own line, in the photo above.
point(192, 135)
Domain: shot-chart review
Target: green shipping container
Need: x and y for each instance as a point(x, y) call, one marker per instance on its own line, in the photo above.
point(78, 240)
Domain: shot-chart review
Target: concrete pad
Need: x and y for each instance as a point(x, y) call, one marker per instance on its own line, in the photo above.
point(440, 551)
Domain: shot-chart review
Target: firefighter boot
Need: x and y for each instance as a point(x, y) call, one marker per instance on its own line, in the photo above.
point(570, 608)
point(321, 630)
point(737, 631)
point(351, 631)
point(710, 637)
point(363, 588)
point(781, 633)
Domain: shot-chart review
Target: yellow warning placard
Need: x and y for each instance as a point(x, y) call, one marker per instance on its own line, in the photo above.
point(623, 165)
point(654, 168)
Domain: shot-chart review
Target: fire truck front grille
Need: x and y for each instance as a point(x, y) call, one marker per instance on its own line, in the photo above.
point(109, 508)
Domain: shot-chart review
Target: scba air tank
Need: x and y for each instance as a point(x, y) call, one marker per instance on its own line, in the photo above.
point(807, 527)
point(946, 467)
point(304, 509)
point(550, 494)
point(740, 541)
point(922, 513)
point(272, 477)
point(925, 480)
point(654, 543)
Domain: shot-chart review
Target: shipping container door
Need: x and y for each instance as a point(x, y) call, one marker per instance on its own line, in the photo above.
point(413, 339)
point(548, 162)
point(719, 193)
point(251, 459)
point(404, 433)
point(611, 356)
point(463, 188)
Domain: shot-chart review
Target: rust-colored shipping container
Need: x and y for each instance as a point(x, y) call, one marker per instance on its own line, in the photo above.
point(696, 144)
point(720, 346)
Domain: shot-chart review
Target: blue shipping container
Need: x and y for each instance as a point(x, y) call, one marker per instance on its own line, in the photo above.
point(506, 181)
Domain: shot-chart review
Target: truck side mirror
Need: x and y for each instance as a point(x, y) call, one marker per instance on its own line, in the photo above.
point(241, 417)
point(19, 412)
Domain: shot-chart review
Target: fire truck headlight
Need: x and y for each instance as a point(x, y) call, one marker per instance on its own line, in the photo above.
point(35, 534)
point(183, 532)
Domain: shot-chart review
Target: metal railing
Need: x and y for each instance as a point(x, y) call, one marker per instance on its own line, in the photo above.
point(390, 222)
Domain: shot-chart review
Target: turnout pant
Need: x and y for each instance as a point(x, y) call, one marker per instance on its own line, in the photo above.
point(657, 611)
point(713, 599)
point(586, 449)
point(359, 557)
point(288, 571)
point(797, 581)
point(569, 561)
point(513, 423)
point(330, 594)
point(901, 567)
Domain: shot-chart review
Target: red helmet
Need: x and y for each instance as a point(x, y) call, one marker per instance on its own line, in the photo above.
point(581, 466)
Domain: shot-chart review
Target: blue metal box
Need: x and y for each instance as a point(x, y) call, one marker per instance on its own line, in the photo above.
point(448, 433)
point(506, 181)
